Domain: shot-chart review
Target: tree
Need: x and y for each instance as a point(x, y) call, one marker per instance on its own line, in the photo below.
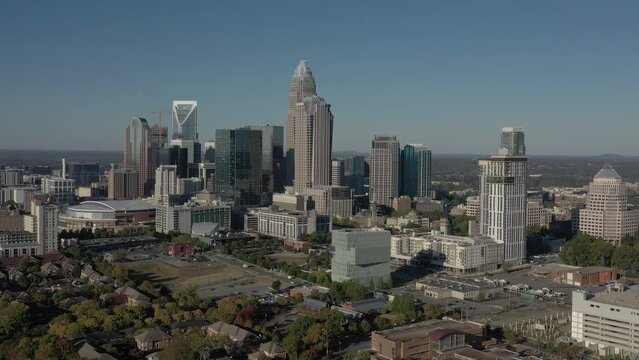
point(13, 318)
point(404, 306)
point(511, 337)
point(276, 284)
point(433, 311)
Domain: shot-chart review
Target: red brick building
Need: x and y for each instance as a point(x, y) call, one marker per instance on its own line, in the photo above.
point(181, 250)
point(297, 245)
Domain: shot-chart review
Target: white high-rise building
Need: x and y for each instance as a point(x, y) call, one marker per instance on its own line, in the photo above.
point(384, 170)
point(184, 115)
point(43, 222)
point(606, 214)
point(313, 143)
point(137, 154)
point(165, 183)
point(503, 203)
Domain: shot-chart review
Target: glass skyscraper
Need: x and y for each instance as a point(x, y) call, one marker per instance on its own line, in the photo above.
point(416, 171)
point(238, 161)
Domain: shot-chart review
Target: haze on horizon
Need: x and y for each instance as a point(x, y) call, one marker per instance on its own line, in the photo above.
point(448, 75)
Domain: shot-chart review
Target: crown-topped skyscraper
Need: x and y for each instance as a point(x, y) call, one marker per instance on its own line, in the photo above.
point(302, 86)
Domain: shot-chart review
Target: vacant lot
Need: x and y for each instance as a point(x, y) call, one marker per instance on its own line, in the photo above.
point(290, 257)
point(181, 276)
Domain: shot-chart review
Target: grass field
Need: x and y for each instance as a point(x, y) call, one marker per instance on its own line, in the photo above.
point(184, 275)
point(291, 258)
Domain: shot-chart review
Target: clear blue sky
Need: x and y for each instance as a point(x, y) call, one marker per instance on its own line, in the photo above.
point(448, 74)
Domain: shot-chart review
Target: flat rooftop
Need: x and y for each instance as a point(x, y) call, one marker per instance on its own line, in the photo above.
point(458, 284)
point(422, 329)
point(628, 298)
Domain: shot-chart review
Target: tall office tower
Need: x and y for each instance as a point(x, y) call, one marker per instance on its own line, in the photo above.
point(43, 221)
point(206, 174)
point(209, 152)
point(83, 172)
point(512, 139)
point(313, 143)
point(606, 214)
point(165, 183)
point(159, 136)
point(137, 154)
point(355, 174)
point(416, 171)
point(185, 120)
point(122, 183)
point(337, 172)
point(302, 86)
point(238, 166)
point(272, 157)
point(502, 202)
point(384, 163)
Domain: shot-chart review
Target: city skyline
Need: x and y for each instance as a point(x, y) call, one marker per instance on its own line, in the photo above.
point(549, 73)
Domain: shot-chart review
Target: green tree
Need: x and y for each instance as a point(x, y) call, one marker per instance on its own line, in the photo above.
point(404, 306)
point(14, 318)
point(433, 311)
point(276, 284)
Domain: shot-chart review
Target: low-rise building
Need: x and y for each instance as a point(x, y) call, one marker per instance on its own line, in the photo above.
point(290, 224)
point(431, 339)
point(235, 333)
point(607, 320)
point(576, 275)
point(460, 254)
point(458, 288)
point(108, 214)
point(14, 243)
point(182, 218)
point(181, 250)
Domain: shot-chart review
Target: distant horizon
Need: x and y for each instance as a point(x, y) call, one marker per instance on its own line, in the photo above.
point(342, 152)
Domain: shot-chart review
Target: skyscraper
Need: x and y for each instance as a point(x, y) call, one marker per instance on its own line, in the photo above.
point(185, 120)
point(416, 171)
point(122, 183)
point(512, 140)
point(137, 154)
point(606, 214)
point(313, 143)
point(302, 86)
point(238, 166)
point(384, 164)
point(272, 157)
point(355, 169)
point(502, 202)
point(165, 183)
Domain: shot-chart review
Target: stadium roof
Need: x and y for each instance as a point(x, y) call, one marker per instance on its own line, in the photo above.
point(113, 206)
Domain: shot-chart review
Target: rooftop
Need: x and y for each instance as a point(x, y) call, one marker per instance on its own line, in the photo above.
point(608, 173)
point(628, 298)
point(424, 328)
point(113, 205)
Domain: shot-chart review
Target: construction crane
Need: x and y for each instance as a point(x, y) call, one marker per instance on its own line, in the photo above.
point(159, 114)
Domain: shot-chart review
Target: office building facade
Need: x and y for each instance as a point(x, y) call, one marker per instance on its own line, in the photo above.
point(238, 162)
point(82, 172)
point(512, 141)
point(335, 201)
point(137, 154)
point(273, 166)
point(606, 214)
point(43, 222)
point(313, 143)
point(503, 203)
point(302, 86)
point(416, 169)
point(122, 183)
point(59, 190)
point(384, 170)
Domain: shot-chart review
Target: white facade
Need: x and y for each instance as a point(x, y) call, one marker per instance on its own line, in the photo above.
point(43, 222)
point(184, 117)
point(361, 256)
point(606, 214)
point(384, 170)
point(536, 215)
point(284, 224)
point(607, 320)
point(165, 183)
point(180, 219)
point(453, 253)
point(503, 204)
point(472, 206)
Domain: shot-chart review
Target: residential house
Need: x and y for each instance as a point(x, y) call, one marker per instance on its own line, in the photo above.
point(234, 332)
point(89, 352)
point(50, 269)
point(133, 297)
point(152, 340)
point(268, 350)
